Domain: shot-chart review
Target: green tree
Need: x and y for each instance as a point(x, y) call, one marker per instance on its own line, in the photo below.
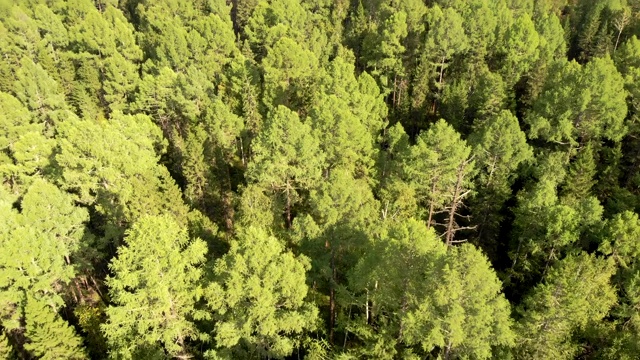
point(50, 336)
point(121, 188)
point(547, 226)
point(439, 166)
point(499, 147)
point(474, 318)
point(154, 289)
point(343, 138)
point(579, 103)
point(286, 159)
point(445, 39)
point(441, 298)
point(258, 297)
point(575, 293)
point(520, 49)
point(385, 51)
point(40, 94)
point(37, 244)
point(290, 74)
point(6, 350)
point(626, 59)
point(25, 150)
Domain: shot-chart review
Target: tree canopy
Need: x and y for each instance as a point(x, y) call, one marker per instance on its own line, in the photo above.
point(321, 179)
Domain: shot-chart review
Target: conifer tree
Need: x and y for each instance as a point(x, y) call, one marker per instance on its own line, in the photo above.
point(575, 293)
point(286, 158)
point(49, 336)
point(258, 297)
point(154, 289)
point(579, 103)
point(440, 168)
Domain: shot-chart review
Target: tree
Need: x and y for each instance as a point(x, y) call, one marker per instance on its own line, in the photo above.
point(499, 147)
point(626, 59)
point(440, 167)
point(258, 298)
point(35, 266)
point(286, 158)
point(520, 47)
point(343, 211)
point(443, 300)
point(121, 188)
point(445, 39)
point(388, 294)
point(474, 318)
point(25, 149)
point(6, 350)
point(385, 50)
point(343, 138)
point(50, 336)
point(576, 292)
point(154, 289)
point(290, 74)
point(579, 103)
point(547, 227)
point(40, 94)
point(37, 244)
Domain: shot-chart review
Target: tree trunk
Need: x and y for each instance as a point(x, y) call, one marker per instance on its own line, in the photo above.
point(433, 109)
point(452, 212)
point(332, 298)
point(288, 209)
point(431, 203)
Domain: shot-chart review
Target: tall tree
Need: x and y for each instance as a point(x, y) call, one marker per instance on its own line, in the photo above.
point(154, 289)
point(258, 297)
point(579, 103)
point(576, 293)
point(499, 146)
point(440, 167)
point(286, 159)
point(50, 337)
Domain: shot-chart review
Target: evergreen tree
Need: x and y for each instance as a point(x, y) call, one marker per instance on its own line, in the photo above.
point(154, 290)
point(440, 168)
point(579, 103)
point(286, 159)
point(258, 298)
point(49, 336)
point(576, 292)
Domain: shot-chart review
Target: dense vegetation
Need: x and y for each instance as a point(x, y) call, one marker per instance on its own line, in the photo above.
point(320, 179)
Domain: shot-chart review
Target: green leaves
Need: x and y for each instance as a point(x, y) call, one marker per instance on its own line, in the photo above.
point(575, 293)
point(579, 103)
point(114, 166)
point(37, 245)
point(286, 158)
point(155, 287)
point(500, 147)
point(258, 297)
point(441, 297)
point(50, 336)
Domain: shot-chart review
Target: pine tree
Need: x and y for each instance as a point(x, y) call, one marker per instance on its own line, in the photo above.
point(49, 336)
point(286, 159)
point(441, 298)
point(121, 188)
point(258, 298)
point(439, 166)
point(154, 290)
point(499, 147)
point(37, 244)
point(6, 350)
point(579, 103)
point(575, 293)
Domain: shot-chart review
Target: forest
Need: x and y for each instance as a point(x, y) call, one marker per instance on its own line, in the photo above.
point(320, 179)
